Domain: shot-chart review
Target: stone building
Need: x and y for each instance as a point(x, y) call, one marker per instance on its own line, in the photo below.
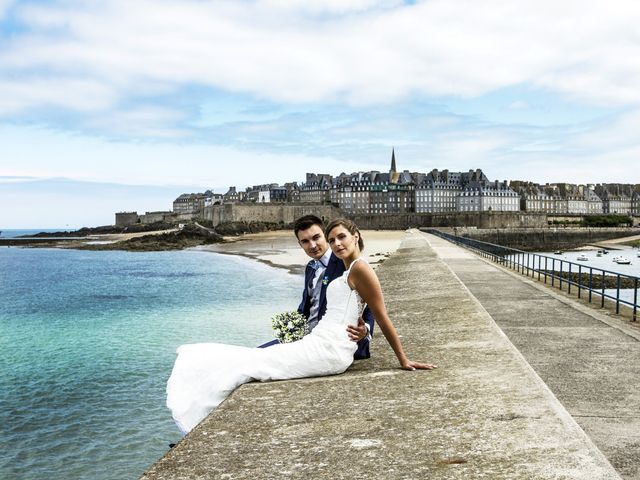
point(293, 192)
point(231, 196)
point(438, 191)
point(481, 196)
point(616, 198)
point(635, 201)
point(189, 203)
point(211, 198)
point(265, 193)
point(316, 188)
point(375, 192)
point(558, 198)
point(536, 198)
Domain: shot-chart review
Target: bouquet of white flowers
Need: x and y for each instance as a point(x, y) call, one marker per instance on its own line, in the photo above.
point(289, 326)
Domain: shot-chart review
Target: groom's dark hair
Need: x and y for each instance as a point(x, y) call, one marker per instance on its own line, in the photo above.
point(305, 222)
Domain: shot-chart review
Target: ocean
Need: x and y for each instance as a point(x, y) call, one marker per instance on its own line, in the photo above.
point(88, 340)
point(599, 264)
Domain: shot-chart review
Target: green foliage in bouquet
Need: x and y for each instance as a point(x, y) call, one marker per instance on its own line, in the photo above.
point(289, 326)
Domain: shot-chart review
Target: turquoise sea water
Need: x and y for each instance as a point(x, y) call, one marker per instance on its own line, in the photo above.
point(87, 342)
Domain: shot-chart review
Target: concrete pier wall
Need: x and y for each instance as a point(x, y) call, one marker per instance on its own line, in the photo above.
point(484, 413)
point(546, 238)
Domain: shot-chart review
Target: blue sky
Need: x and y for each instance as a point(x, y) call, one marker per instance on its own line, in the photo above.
point(109, 105)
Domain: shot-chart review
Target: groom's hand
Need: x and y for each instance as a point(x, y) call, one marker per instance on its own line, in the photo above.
point(358, 332)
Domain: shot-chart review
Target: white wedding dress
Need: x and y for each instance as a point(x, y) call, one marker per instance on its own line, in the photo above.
point(206, 373)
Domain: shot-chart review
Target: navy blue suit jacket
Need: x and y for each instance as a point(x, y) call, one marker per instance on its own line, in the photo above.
point(335, 268)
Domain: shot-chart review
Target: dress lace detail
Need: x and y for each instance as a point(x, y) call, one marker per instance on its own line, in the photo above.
point(204, 374)
point(360, 302)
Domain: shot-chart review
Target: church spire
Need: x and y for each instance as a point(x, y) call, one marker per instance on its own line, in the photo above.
point(393, 161)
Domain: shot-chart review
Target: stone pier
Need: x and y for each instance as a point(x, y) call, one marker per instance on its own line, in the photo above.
point(484, 413)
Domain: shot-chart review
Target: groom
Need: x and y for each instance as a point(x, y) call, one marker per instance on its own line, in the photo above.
point(321, 270)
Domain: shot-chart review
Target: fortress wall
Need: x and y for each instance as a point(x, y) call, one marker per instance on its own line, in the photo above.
point(401, 221)
point(547, 238)
point(269, 213)
point(124, 219)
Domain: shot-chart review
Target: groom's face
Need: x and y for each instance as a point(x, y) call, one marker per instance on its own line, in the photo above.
point(313, 242)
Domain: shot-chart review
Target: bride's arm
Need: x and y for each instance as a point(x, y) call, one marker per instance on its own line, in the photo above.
point(365, 281)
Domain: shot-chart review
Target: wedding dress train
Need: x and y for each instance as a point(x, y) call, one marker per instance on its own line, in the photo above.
point(204, 374)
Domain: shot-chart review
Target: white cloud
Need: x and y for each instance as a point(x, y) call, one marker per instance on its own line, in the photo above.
point(4, 7)
point(518, 105)
point(364, 52)
point(70, 93)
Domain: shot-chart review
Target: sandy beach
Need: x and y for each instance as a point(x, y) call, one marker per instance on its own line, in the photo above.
point(280, 248)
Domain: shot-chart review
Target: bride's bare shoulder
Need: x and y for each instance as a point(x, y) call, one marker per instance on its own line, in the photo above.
point(361, 269)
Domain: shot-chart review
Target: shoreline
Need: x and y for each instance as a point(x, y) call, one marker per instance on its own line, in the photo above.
point(279, 249)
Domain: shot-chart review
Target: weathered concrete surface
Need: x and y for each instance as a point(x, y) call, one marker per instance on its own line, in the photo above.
point(590, 360)
point(483, 414)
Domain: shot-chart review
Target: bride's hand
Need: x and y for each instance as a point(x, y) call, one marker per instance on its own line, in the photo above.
point(411, 365)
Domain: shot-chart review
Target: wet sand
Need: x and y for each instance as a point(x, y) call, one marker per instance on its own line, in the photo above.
point(280, 248)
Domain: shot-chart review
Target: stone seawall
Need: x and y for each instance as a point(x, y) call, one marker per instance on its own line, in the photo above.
point(287, 213)
point(401, 221)
point(270, 213)
point(547, 238)
point(483, 413)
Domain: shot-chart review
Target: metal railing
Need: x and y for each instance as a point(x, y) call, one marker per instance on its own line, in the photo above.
point(589, 281)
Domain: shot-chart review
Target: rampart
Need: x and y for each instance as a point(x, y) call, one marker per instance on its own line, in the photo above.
point(126, 219)
point(269, 213)
point(546, 238)
point(401, 221)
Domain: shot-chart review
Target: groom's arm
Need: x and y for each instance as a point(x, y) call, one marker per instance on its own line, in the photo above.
point(364, 329)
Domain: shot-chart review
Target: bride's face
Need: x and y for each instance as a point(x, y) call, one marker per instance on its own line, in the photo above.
point(343, 243)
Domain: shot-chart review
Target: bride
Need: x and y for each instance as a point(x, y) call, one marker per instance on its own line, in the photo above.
point(204, 374)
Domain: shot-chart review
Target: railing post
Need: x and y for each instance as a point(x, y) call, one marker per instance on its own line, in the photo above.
point(590, 283)
point(560, 275)
point(579, 279)
point(602, 299)
point(618, 296)
point(635, 298)
point(569, 279)
point(546, 269)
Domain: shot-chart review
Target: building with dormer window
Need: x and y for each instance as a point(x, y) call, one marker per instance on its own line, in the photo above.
point(616, 198)
point(189, 203)
point(231, 196)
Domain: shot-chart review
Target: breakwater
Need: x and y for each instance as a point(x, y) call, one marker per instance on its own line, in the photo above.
point(482, 414)
point(537, 239)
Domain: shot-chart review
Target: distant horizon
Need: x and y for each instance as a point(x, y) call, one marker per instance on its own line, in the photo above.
point(188, 94)
point(122, 197)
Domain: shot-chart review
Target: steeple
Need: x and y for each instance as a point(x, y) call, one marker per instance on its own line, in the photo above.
point(393, 161)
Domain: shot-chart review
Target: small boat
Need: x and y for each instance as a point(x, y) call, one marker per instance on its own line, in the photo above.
point(623, 261)
point(557, 252)
point(605, 251)
point(582, 258)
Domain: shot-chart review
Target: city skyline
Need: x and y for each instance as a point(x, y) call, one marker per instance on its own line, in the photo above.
point(107, 106)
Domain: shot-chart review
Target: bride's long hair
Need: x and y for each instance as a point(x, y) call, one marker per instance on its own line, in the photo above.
point(349, 225)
